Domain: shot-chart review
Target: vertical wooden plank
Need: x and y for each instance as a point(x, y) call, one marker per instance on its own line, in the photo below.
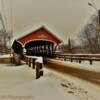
point(37, 71)
point(33, 63)
point(29, 62)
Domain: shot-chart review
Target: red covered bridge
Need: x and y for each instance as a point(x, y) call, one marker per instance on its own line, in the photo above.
point(39, 42)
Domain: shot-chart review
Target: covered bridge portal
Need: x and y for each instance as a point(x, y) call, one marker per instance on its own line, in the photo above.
point(39, 42)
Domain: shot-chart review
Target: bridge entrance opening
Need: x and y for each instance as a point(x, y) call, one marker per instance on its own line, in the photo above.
point(40, 48)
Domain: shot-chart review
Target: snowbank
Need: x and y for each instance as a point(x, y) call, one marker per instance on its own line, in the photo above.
point(19, 83)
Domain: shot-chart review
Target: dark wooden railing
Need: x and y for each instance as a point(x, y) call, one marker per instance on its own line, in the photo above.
point(35, 63)
point(79, 57)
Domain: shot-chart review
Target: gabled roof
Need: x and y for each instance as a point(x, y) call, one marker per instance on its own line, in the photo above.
point(36, 32)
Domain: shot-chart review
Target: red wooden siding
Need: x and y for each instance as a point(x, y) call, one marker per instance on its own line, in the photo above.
point(41, 33)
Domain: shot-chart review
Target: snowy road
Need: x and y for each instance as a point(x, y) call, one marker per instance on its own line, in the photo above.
point(89, 75)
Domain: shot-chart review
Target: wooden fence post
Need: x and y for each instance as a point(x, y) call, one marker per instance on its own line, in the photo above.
point(39, 71)
point(90, 62)
point(26, 59)
point(29, 62)
point(33, 63)
point(71, 59)
point(79, 61)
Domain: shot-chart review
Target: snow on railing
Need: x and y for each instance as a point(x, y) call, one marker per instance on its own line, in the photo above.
point(36, 63)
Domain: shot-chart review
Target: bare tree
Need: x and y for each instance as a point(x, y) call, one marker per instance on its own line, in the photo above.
point(5, 37)
point(90, 36)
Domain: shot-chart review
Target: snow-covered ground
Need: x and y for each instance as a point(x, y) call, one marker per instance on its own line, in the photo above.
point(19, 83)
point(6, 56)
point(85, 65)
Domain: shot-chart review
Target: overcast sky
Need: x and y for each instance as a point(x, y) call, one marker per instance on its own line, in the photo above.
point(63, 17)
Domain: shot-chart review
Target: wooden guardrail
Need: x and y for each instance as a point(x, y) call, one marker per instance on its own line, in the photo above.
point(36, 63)
point(79, 57)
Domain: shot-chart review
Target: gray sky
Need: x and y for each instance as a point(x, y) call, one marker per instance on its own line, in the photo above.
point(63, 17)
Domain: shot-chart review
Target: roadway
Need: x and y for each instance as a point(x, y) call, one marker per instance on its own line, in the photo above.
point(60, 66)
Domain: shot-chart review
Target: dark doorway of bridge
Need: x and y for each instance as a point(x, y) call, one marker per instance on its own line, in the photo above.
point(40, 48)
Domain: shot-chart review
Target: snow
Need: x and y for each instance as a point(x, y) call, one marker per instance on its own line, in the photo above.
point(6, 56)
point(19, 83)
point(80, 89)
point(83, 65)
point(38, 59)
point(16, 82)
